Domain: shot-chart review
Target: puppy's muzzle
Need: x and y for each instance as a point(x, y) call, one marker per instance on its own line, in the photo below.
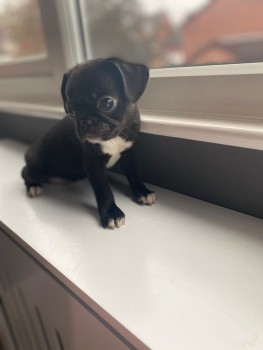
point(94, 128)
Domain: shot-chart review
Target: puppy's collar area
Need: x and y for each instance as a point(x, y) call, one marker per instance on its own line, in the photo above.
point(113, 147)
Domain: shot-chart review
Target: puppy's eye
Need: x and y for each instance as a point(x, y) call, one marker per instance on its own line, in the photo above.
point(106, 103)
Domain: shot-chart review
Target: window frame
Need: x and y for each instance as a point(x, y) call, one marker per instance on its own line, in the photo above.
point(217, 103)
point(37, 79)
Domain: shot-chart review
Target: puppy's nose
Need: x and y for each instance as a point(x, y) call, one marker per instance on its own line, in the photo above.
point(105, 127)
point(83, 123)
point(87, 125)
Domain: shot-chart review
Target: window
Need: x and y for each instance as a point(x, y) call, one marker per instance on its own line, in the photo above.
point(212, 52)
point(22, 33)
point(172, 33)
point(31, 53)
point(206, 58)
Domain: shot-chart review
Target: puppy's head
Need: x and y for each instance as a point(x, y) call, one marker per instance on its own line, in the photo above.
point(97, 93)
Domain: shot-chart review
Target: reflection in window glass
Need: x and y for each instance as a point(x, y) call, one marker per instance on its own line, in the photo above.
point(167, 33)
point(21, 33)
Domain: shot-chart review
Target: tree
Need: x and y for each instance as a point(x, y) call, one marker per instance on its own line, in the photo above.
point(21, 27)
point(115, 28)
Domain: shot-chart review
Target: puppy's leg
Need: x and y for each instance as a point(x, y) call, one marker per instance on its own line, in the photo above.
point(140, 192)
point(110, 215)
point(33, 185)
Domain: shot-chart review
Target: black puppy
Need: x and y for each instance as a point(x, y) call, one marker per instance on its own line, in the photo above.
point(101, 126)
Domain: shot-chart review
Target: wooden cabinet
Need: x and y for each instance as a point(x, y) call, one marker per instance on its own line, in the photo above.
point(42, 313)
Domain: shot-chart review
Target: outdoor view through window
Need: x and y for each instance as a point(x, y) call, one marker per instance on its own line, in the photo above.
point(160, 33)
point(167, 33)
point(21, 33)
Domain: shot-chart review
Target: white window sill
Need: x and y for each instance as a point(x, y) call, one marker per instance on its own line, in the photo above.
point(183, 274)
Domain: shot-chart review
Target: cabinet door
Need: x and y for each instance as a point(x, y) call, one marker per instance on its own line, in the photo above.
point(6, 339)
point(42, 313)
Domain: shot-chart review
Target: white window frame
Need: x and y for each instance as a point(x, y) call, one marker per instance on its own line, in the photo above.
point(219, 103)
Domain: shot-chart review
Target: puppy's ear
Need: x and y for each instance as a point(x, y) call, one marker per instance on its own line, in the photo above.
point(134, 78)
point(63, 90)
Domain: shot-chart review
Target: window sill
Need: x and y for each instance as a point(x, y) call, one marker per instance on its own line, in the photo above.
point(220, 129)
point(184, 256)
point(223, 130)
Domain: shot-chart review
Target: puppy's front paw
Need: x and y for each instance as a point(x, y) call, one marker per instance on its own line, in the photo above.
point(145, 196)
point(148, 199)
point(34, 191)
point(113, 217)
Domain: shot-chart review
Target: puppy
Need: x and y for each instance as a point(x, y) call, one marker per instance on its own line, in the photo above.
point(100, 128)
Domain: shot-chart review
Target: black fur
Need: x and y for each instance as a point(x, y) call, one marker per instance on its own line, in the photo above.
point(69, 150)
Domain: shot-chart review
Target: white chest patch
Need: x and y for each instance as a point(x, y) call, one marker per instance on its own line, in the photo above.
point(113, 148)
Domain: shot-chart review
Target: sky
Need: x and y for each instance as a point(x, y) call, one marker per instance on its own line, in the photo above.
point(10, 2)
point(179, 10)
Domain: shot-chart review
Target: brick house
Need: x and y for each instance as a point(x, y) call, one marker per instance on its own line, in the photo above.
point(225, 31)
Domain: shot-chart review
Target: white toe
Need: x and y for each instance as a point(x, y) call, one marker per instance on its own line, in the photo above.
point(120, 222)
point(151, 198)
point(148, 200)
point(34, 191)
point(39, 190)
point(111, 224)
point(142, 200)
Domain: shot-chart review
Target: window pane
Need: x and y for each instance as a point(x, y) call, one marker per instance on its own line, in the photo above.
point(21, 33)
point(167, 33)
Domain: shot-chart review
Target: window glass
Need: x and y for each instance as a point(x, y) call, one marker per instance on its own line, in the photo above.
point(168, 33)
point(21, 33)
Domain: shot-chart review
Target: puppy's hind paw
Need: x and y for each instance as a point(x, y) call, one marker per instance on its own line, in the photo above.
point(34, 191)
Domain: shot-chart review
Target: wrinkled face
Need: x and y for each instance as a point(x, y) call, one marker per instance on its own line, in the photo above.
point(96, 102)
